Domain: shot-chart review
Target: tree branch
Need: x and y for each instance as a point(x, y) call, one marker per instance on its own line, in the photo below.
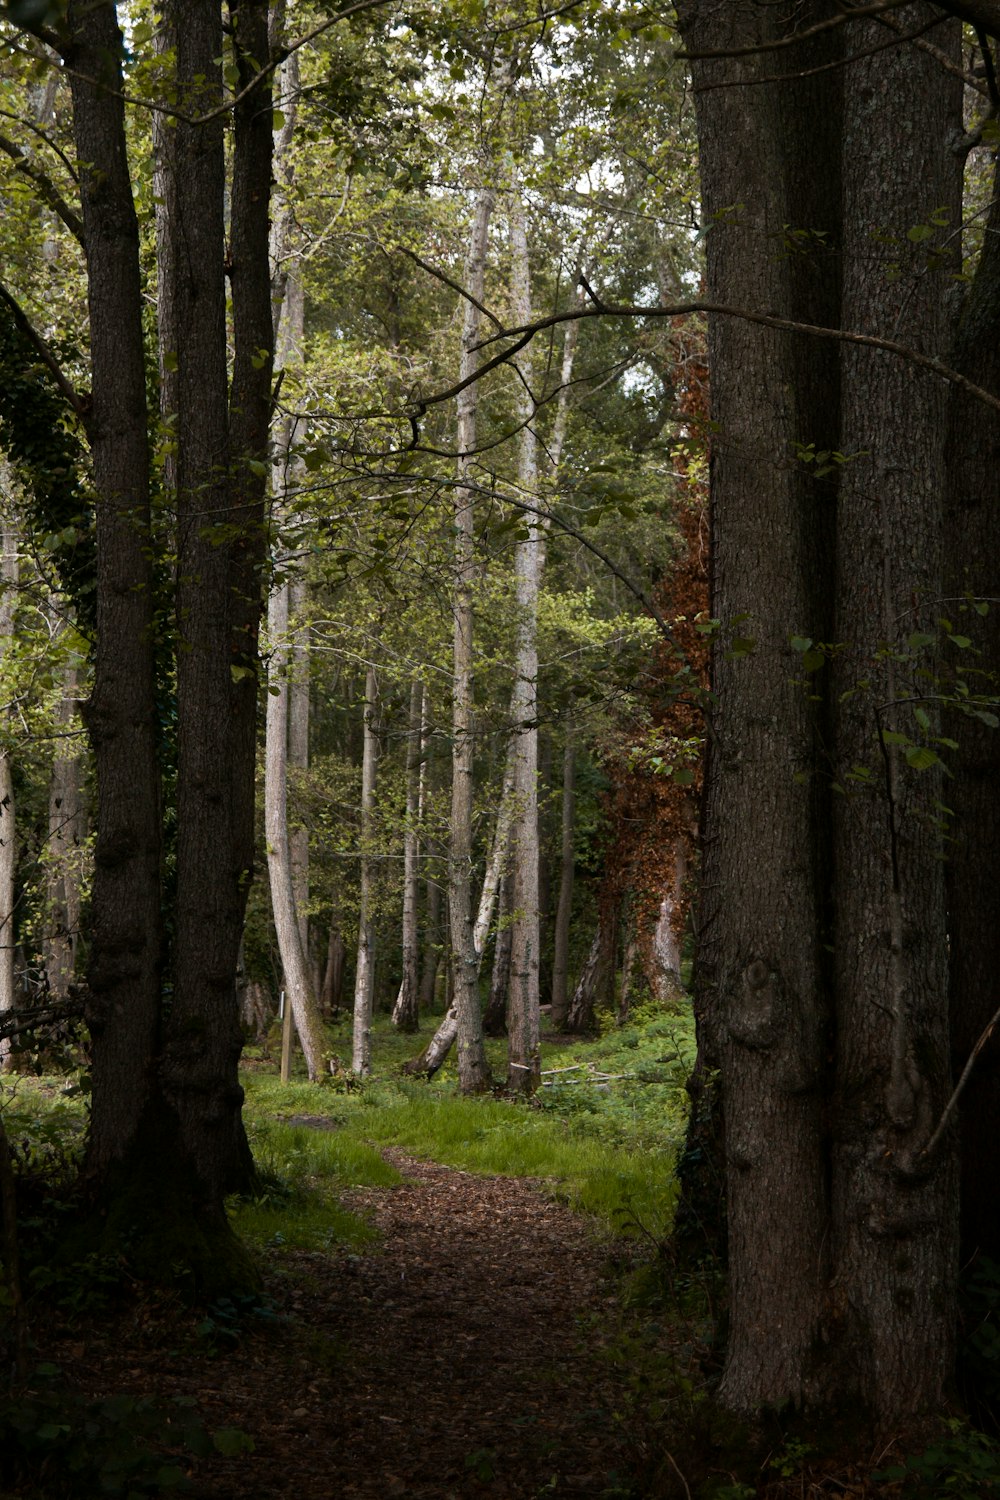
point(47, 189)
point(79, 403)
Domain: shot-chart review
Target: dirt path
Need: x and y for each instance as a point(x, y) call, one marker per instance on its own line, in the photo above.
point(453, 1360)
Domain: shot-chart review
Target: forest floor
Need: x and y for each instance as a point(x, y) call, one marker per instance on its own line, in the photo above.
point(468, 1351)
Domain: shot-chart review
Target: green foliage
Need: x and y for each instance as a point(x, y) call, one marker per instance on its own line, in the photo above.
point(964, 1464)
point(119, 1445)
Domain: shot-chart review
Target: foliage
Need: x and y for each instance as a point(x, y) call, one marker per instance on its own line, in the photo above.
point(963, 1463)
point(121, 1445)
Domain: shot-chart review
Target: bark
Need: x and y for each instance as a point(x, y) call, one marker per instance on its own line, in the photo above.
point(564, 910)
point(125, 926)
point(361, 1059)
point(8, 845)
point(495, 1015)
point(298, 986)
point(405, 1013)
point(432, 942)
point(523, 1023)
point(298, 752)
point(474, 1075)
point(894, 1210)
point(973, 867)
point(596, 977)
point(762, 1002)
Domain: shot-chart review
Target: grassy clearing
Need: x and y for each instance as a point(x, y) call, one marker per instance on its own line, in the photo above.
point(606, 1145)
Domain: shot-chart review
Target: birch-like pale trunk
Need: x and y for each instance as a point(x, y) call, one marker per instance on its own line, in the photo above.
point(298, 757)
point(298, 988)
point(474, 1074)
point(361, 1059)
point(405, 1014)
point(560, 957)
point(523, 1023)
point(8, 848)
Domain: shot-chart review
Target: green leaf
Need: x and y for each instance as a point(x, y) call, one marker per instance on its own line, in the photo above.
point(960, 640)
point(801, 642)
point(231, 1442)
point(683, 778)
point(892, 737)
point(922, 717)
point(921, 758)
point(919, 233)
point(919, 639)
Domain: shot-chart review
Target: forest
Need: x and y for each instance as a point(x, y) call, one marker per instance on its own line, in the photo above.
point(499, 774)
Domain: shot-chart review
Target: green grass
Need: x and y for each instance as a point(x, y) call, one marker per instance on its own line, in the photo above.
point(605, 1146)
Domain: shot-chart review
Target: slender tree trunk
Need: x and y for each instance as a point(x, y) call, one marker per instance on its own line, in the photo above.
point(560, 958)
point(474, 1075)
point(333, 974)
point(495, 1016)
point(125, 928)
point(524, 1065)
point(432, 941)
point(298, 987)
point(894, 1237)
point(298, 752)
point(8, 828)
point(361, 1061)
point(404, 1015)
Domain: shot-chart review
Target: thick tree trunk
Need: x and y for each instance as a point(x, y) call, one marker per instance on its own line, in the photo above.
point(762, 1000)
point(361, 1059)
point(405, 1013)
point(8, 828)
point(564, 910)
point(894, 1209)
point(596, 978)
point(972, 872)
point(125, 926)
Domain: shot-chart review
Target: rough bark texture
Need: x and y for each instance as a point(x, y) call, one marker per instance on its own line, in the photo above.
point(894, 1210)
point(972, 565)
point(769, 187)
point(8, 841)
point(495, 1014)
point(125, 931)
point(64, 855)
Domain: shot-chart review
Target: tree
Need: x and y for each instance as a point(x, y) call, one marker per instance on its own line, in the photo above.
point(825, 939)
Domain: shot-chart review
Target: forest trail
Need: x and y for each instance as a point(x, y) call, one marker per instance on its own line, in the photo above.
point(458, 1357)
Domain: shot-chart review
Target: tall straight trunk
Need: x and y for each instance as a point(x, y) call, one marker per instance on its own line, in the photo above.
point(405, 1015)
point(431, 961)
point(298, 986)
point(564, 910)
point(523, 1064)
point(361, 1057)
point(332, 991)
point(66, 835)
point(123, 981)
point(495, 1015)
point(9, 571)
point(474, 1075)
point(298, 752)
point(204, 1037)
point(972, 872)
point(894, 1240)
point(762, 1002)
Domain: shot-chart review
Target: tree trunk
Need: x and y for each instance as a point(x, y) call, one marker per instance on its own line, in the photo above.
point(762, 1003)
point(405, 1014)
point(125, 927)
point(597, 973)
point(474, 1074)
point(298, 986)
point(8, 844)
point(894, 1210)
point(560, 956)
point(495, 1015)
point(361, 1061)
point(972, 872)
point(523, 1024)
point(432, 941)
point(332, 993)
